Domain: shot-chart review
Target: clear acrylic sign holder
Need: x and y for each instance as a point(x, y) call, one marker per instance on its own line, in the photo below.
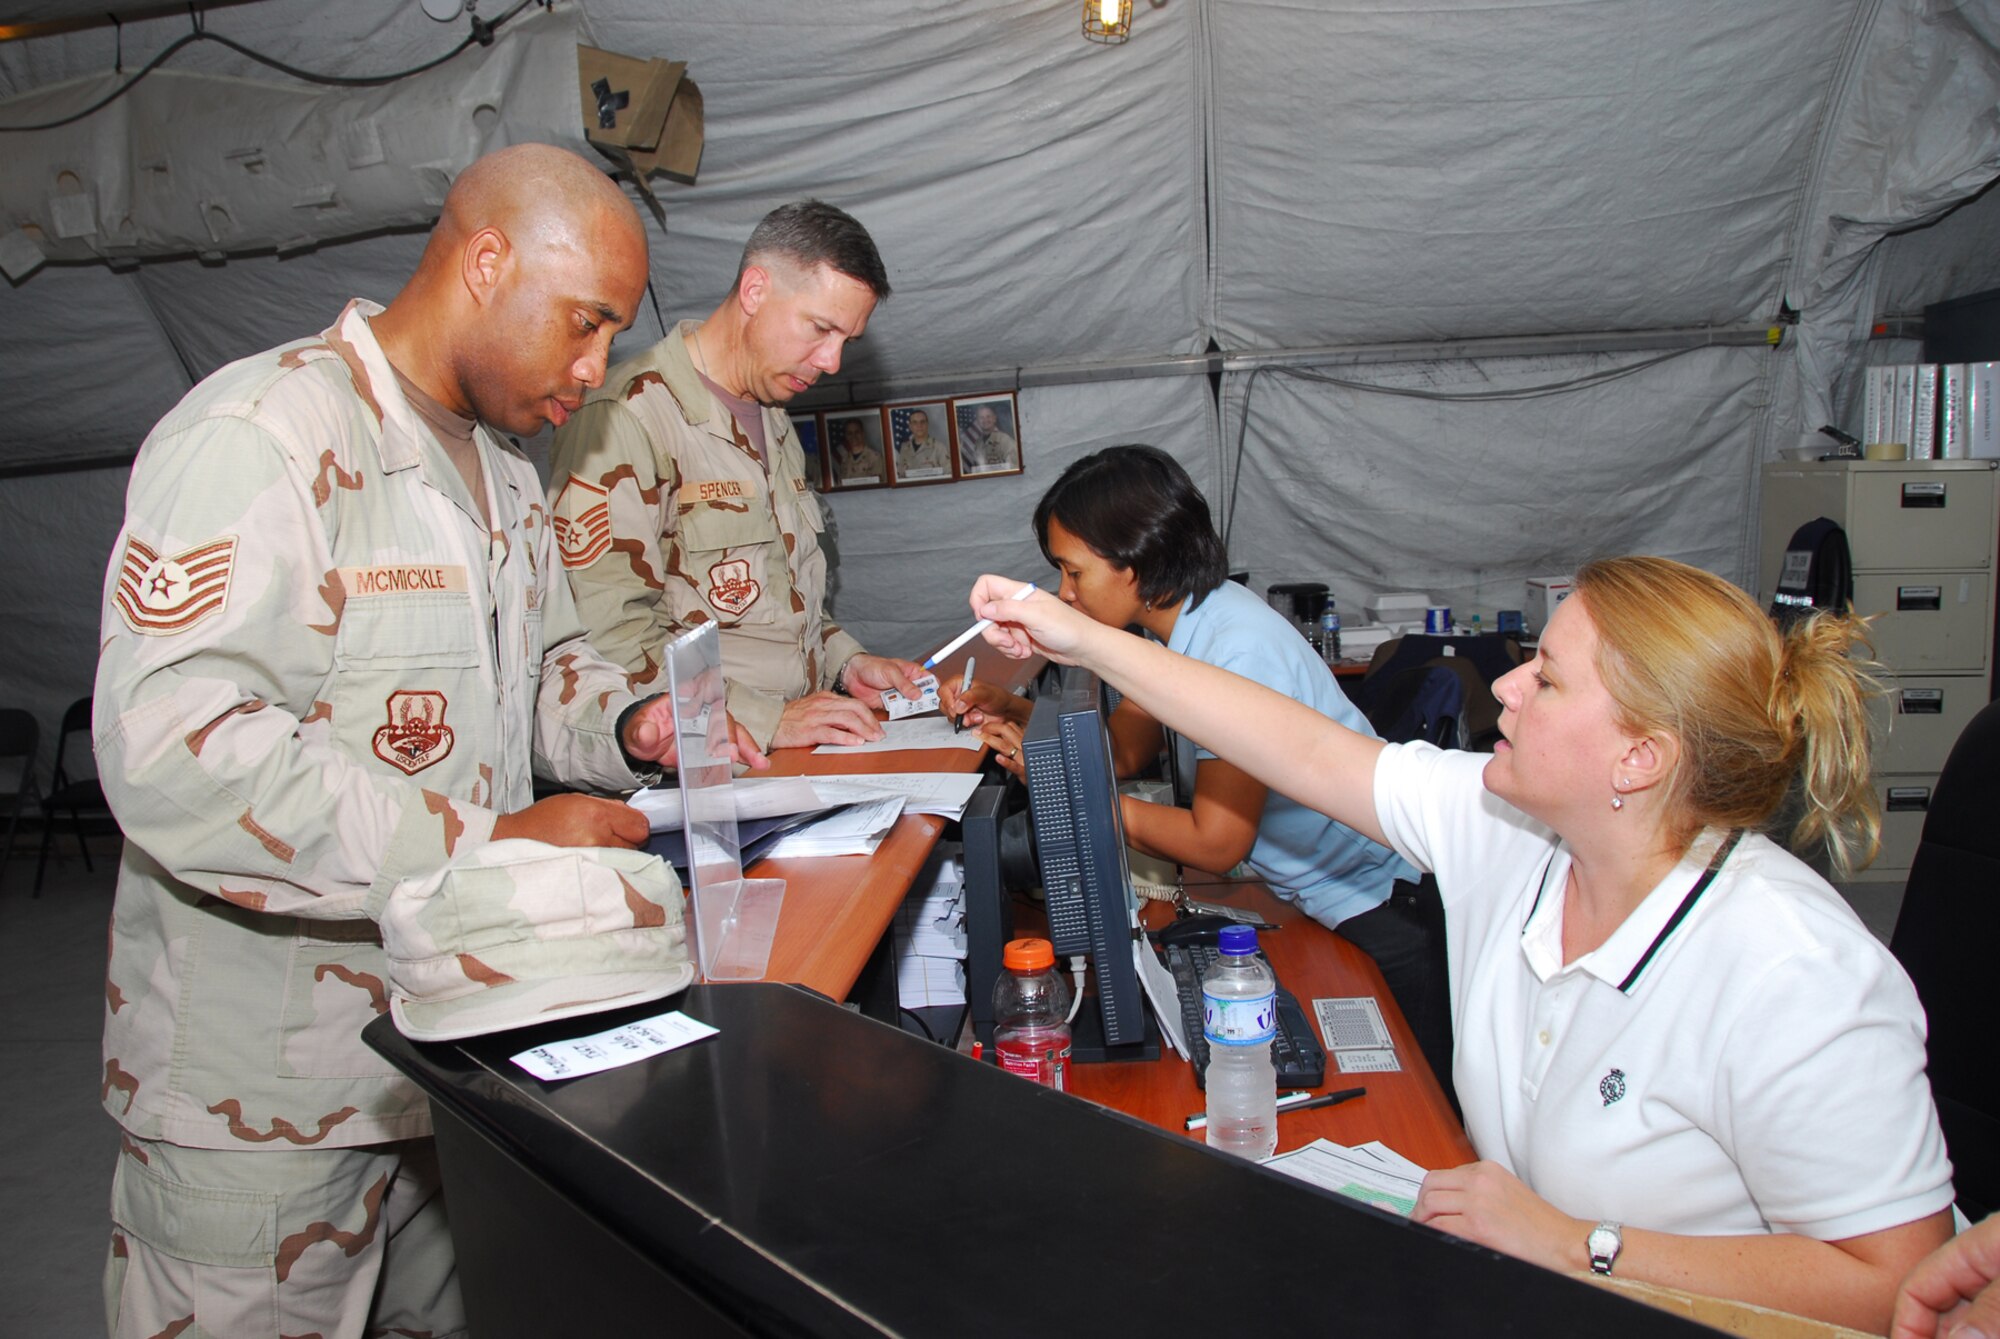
point(734, 919)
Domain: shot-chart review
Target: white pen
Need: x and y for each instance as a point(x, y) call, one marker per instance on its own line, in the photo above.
point(973, 631)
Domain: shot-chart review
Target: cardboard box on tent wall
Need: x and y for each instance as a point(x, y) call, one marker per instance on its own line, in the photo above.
point(679, 151)
point(654, 110)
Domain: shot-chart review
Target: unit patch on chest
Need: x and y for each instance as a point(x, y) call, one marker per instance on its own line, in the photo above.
point(416, 735)
point(731, 588)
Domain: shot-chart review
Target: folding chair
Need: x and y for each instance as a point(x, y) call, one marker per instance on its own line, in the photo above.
point(20, 741)
point(72, 795)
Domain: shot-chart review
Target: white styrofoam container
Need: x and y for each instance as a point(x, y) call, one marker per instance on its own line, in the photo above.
point(1394, 607)
point(1357, 642)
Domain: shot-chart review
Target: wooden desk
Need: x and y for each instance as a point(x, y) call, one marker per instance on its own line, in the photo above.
point(837, 908)
point(1405, 1110)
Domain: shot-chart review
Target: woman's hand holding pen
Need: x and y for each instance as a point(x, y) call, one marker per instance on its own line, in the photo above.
point(1041, 624)
point(982, 702)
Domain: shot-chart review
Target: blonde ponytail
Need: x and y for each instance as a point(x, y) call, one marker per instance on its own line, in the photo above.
point(1682, 651)
point(1826, 680)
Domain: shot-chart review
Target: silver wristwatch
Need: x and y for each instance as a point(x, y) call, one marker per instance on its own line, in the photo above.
point(1604, 1243)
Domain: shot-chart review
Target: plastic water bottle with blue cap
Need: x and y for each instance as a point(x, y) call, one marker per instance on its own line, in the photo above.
point(1239, 1017)
point(1329, 632)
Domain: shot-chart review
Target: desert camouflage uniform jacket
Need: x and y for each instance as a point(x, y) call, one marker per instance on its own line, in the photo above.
point(320, 674)
point(666, 520)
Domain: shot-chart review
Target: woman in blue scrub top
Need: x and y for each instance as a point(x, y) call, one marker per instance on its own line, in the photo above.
point(1131, 536)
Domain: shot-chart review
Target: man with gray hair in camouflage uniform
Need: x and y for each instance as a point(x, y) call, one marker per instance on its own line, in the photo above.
point(680, 495)
point(336, 643)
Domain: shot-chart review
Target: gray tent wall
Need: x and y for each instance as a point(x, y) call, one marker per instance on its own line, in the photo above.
point(1587, 182)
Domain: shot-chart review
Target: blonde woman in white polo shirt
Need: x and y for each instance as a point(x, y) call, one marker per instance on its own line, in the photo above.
point(1682, 1058)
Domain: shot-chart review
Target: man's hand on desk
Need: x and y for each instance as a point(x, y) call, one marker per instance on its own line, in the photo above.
point(865, 676)
point(1486, 1203)
point(825, 718)
point(576, 820)
point(650, 735)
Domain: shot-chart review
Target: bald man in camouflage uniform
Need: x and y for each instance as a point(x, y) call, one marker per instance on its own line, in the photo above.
point(336, 640)
point(680, 494)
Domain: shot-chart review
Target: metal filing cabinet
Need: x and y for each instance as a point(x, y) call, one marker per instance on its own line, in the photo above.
point(1922, 534)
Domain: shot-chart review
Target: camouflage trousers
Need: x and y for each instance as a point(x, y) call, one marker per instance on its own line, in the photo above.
point(341, 1243)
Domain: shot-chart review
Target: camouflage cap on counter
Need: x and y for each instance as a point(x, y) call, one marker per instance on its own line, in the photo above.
point(519, 932)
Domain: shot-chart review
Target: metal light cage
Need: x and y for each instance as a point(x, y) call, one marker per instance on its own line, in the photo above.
point(1097, 30)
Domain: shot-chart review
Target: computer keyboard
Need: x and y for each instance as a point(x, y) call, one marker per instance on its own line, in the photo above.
point(1296, 1052)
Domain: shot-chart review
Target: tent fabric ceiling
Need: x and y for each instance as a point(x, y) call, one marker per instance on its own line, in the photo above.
point(1509, 169)
point(1254, 175)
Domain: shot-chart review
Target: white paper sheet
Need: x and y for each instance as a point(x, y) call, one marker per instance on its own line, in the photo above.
point(918, 732)
point(1350, 1172)
point(608, 1050)
point(929, 935)
point(1162, 993)
point(856, 831)
point(943, 793)
point(754, 797)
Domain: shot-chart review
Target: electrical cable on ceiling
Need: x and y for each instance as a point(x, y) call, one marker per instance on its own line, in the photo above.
point(1346, 383)
point(481, 35)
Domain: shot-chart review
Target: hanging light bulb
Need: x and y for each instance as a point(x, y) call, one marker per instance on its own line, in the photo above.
point(1107, 21)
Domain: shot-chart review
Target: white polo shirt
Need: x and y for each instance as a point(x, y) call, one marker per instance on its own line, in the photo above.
point(1747, 1060)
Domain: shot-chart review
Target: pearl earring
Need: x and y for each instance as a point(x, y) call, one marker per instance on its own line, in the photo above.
point(1617, 801)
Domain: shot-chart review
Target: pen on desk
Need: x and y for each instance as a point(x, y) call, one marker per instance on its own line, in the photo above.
point(964, 687)
point(973, 631)
point(1299, 1100)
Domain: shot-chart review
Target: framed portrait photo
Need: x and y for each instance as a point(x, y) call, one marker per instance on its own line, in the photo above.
point(807, 427)
point(855, 457)
point(989, 434)
point(920, 442)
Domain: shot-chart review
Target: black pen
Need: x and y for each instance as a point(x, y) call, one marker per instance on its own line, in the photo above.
point(964, 687)
point(1300, 1100)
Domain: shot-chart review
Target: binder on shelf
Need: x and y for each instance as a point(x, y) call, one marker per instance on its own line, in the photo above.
point(1982, 411)
point(1904, 409)
point(1923, 419)
point(1953, 442)
point(1878, 398)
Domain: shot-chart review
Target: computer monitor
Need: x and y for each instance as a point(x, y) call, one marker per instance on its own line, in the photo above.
point(1079, 842)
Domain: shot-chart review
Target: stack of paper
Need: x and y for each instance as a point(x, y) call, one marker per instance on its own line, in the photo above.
point(855, 831)
point(943, 793)
point(930, 942)
point(1373, 1173)
point(763, 797)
